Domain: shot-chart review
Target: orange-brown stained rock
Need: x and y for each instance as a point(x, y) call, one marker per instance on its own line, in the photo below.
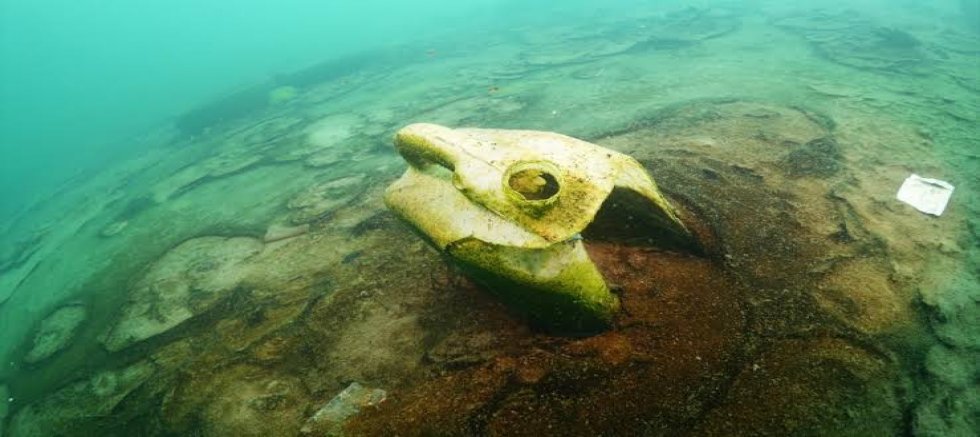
point(612, 349)
point(802, 386)
point(675, 341)
point(860, 293)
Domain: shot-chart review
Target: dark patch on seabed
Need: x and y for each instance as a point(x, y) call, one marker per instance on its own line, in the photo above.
point(269, 277)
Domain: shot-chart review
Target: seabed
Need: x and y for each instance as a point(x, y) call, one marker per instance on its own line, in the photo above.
point(243, 272)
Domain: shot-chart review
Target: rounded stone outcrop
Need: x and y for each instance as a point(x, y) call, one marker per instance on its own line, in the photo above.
point(187, 281)
point(56, 332)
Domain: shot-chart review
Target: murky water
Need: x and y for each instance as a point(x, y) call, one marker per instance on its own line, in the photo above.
point(235, 271)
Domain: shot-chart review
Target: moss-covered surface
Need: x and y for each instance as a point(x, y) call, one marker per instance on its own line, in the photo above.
point(574, 300)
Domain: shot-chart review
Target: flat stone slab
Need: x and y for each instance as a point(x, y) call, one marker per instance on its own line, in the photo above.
point(186, 282)
point(56, 332)
point(331, 417)
point(62, 412)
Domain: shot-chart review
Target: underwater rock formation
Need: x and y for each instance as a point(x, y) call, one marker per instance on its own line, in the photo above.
point(700, 339)
point(686, 27)
point(475, 110)
point(323, 198)
point(79, 406)
point(717, 330)
point(332, 130)
point(852, 40)
point(283, 94)
point(186, 282)
point(279, 232)
point(217, 166)
point(15, 263)
point(56, 332)
point(819, 305)
point(323, 139)
point(573, 45)
point(241, 400)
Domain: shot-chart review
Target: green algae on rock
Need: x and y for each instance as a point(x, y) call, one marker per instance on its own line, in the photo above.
point(282, 94)
point(56, 332)
point(511, 206)
point(80, 405)
point(323, 198)
point(187, 281)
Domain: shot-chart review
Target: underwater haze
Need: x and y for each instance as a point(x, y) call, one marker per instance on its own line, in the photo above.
point(197, 234)
point(87, 82)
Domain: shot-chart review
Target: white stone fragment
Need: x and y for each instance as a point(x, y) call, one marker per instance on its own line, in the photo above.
point(924, 194)
point(331, 417)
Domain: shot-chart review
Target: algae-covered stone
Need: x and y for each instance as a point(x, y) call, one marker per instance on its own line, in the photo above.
point(17, 260)
point(266, 131)
point(187, 281)
point(56, 332)
point(511, 207)
point(321, 199)
point(72, 409)
point(238, 400)
point(849, 39)
point(332, 130)
point(221, 165)
point(322, 142)
point(277, 232)
point(956, 369)
point(282, 95)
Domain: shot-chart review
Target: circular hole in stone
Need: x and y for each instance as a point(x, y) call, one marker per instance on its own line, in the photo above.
point(534, 183)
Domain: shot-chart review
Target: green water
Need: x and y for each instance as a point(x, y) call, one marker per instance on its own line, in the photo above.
point(193, 241)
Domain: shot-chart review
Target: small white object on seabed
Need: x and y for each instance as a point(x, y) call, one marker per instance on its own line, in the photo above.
point(924, 194)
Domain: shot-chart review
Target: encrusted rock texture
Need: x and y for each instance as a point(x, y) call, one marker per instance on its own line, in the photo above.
point(261, 276)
